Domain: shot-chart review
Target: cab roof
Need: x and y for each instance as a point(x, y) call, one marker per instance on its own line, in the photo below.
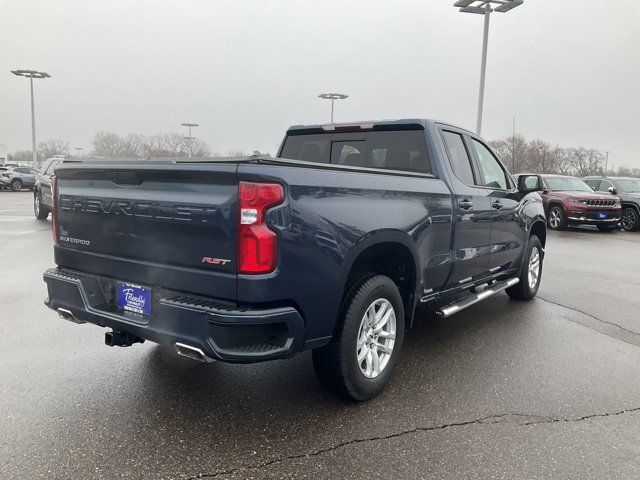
point(368, 126)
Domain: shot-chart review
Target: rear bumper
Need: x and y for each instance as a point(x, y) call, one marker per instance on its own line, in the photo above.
point(222, 331)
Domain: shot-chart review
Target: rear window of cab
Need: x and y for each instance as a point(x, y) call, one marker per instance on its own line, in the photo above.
point(386, 150)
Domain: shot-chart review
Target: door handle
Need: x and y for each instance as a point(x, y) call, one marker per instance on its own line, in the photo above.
point(497, 204)
point(465, 204)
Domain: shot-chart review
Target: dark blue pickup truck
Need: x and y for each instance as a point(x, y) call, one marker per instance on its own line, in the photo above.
point(329, 247)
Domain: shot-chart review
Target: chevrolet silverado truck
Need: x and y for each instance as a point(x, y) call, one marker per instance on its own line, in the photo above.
point(329, 247)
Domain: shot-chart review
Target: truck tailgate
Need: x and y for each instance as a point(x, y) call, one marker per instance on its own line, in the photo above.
point(159, 224)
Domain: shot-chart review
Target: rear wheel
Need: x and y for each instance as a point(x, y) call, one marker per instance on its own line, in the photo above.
point(629, 219)
point(16, 184)
point(557, 219)
point(360, 359)
point(41, 212)
point(531, 273)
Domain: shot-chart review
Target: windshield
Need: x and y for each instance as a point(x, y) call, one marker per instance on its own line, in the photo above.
point(629, 185)
point(567, 184)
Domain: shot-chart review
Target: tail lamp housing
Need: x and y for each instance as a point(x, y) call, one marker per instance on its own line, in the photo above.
point(257, 243)
point(54, 208)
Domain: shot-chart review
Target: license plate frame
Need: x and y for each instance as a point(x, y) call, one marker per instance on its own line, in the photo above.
point(134, 298)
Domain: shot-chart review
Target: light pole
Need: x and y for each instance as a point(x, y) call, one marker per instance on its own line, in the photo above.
point(606, 162)
point(31, 74)
point(333, 97)
point(190, 138)
point(483, 7)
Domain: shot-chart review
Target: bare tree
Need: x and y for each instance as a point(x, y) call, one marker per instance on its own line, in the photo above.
point(512, 150)
point(237, 152)
point(585, 161)
point(199, 148)
point(22, 156)
point(49, 148)
point(542, 157)
point(106, 144)
point(133, 145)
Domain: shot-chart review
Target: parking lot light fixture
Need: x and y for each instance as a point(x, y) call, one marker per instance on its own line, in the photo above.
point(31, 74)
point(189, 137)
point(333, 97)
point(484, 7)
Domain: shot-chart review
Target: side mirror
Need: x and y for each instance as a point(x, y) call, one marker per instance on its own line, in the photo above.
point(612, 190)
point(529, 183)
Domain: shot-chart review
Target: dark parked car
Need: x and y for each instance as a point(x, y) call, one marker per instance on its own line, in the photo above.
point(330, 247)
point(17, 178)
point(570, 201)
point(628, 190)
point(42, 201)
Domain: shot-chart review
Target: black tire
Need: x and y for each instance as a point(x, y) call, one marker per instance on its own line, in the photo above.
point(40, 211)
point(336, 364)
point(556, 219)
point(523, 289)
point(16, 184)
point(629, 219)
point(606, 228)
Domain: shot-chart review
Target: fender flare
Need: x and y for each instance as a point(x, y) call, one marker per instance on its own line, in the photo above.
point(385, 236)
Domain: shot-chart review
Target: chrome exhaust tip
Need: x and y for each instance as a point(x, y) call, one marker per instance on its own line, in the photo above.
point(193, 353)
point(65, 314)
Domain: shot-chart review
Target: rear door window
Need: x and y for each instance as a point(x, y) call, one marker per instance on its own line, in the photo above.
point(458, 156)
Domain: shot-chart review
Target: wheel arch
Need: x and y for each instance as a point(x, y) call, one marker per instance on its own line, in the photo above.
point(539, 229)
point(391, 253)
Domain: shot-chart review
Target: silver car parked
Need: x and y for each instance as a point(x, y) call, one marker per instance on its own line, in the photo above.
point(17, 178)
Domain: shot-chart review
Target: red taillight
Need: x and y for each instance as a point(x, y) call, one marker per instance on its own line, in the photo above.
point(257, 243)
point(6, 174)
point(54, 204)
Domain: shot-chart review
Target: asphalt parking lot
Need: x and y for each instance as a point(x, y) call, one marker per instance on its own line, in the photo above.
point(545, 389)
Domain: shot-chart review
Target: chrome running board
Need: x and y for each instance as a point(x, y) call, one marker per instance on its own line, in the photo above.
point(476, 297)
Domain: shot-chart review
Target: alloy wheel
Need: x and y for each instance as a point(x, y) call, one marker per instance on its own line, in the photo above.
point(534, 268)
point(36, 204)
point(629, 220)
point(554, 218)
point(376, 338)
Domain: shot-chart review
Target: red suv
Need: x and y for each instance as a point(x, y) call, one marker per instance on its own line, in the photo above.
point(570, 201)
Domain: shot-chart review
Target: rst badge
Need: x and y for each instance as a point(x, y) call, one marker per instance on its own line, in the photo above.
point(215, 261)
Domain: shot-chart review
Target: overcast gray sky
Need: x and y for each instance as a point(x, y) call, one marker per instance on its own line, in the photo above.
point(568, 70)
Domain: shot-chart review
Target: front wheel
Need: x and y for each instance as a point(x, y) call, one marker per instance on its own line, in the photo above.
point(41, 212)
point(629, 219)
point(531, 272)
point(360, 359)
point(557, 219)
point(16, 185)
